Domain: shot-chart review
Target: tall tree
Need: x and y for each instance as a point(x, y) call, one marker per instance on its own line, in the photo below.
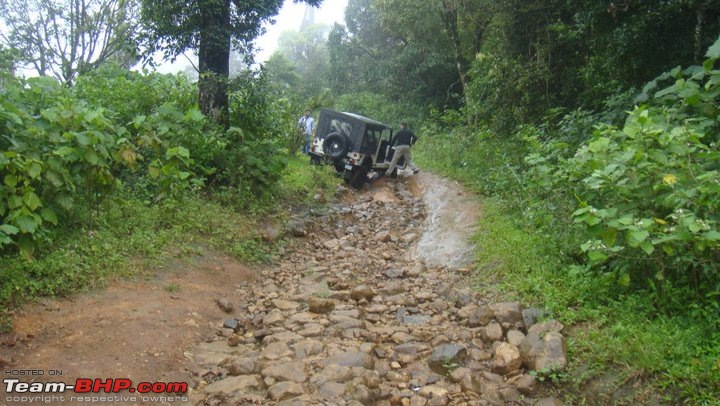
point(69, 37)
point(212, 27)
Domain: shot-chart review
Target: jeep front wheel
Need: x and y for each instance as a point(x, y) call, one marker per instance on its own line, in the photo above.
point(357, 176)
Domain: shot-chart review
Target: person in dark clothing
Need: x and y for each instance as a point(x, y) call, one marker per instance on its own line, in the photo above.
point(404, 140)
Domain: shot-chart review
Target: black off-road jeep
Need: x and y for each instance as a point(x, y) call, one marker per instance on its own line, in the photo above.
point(354, 145)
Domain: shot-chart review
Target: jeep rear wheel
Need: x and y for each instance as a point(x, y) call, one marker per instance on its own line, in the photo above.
point(336, 145)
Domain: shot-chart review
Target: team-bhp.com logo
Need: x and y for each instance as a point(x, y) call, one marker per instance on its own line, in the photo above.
point(88, 390)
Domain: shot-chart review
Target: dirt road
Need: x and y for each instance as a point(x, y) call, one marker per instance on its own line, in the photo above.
point(369, 305)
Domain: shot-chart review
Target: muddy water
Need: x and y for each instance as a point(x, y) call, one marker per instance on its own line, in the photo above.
point(451, 219)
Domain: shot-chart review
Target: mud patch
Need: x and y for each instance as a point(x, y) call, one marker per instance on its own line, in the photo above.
point(136, 330)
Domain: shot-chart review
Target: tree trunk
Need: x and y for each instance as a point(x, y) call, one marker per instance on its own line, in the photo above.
point(449, 14)
point(214, 57)
point(700, 20)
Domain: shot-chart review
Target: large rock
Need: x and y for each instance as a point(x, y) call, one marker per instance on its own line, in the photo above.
point(544, 352)
point(231, 324)
point(282, 336)
point(311, 330)
point(465, 311)
point(332, 245)
point(545, 327)
point(515, 337)
point(213, 353)
point(332, 390)
point(528, 385)
point(286, 371)
point(243, 366)
point(458, 374)
point(285, 305)
point(276, 350)
point(271, 234)
point(352, 359)
point(285, 390)
point(447, 356)
point(307, 348)
point(531, 316)
point(506, 359)
point(296, 228)
point(433, 391)
point(492, 332)
point(383, 236)
point(274, 318)
point(332, 373)
point(480, 316)
point(243, 383)
point(362, 292)
point(320, 306)
point(225, 305)
point(362, 395)
point(508, 312)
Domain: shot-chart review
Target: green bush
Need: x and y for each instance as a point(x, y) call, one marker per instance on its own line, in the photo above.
point(60, 157)
point(649, 193)
point(51, 163)
point(126, 94)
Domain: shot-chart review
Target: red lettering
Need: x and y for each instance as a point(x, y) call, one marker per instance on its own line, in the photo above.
point(177, 387)
point(121, 384)
point(106, 386)
point(83, 385)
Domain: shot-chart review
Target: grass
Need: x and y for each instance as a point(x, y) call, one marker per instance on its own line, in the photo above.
point(621, 350)
point(303, 181)
point(172, 288)
point(132, 239)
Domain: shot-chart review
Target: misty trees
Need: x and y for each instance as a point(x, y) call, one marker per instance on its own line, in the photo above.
point(306, 50)
point(69, 37)
point(212, 27)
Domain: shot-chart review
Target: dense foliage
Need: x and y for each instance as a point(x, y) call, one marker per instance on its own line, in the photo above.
point(65, 150)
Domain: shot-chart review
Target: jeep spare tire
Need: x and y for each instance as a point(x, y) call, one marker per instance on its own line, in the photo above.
point(336, 145)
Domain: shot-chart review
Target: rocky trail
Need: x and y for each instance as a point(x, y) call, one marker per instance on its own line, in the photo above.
point(369, 305)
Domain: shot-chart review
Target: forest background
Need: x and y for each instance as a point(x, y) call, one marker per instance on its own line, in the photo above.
point(590, 128)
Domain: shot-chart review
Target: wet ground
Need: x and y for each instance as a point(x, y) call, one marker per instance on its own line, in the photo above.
point(452, 217)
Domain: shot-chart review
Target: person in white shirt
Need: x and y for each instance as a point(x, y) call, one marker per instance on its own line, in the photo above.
point(307, 126)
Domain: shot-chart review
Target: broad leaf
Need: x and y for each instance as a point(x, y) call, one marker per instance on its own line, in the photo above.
point(27, 224)
point(9, 229)
point(714, 51)
point(636, 237)
point(32, 201)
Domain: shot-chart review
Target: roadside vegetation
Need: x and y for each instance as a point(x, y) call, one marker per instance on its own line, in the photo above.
point(99, 181)
point(616, 234)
